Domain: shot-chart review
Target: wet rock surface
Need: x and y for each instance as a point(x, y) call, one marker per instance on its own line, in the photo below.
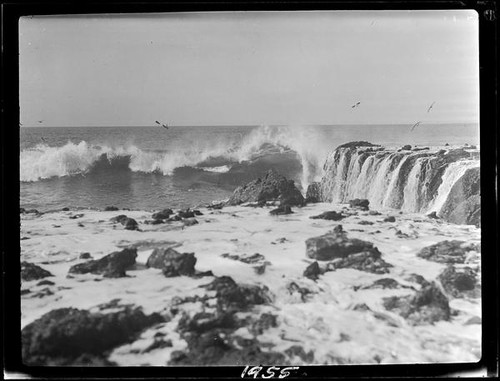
point(282, 210)
point(447, 251)
point(250, 259)
point(312, 271)
point(463, 205)
point(272, 186)
point(427, 306)
point(460, 283)
point(369, 261)
point(171, 262)
point(163, 214)
point(69, 336)
point(330, 215)
point(112, 265)
point(30, 271)
point(313, 193)
point(359, 203)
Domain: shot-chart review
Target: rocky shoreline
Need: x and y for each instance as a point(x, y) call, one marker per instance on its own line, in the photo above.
point(267, 277)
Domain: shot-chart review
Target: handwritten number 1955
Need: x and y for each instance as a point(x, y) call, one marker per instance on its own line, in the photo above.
point(267, 372)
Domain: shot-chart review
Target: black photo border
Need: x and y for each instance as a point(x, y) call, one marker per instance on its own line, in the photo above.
point(13, 367)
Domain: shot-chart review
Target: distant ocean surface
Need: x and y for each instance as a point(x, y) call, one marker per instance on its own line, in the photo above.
point(152, 168)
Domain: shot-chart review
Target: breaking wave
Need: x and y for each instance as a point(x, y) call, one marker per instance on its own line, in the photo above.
point(266, 144)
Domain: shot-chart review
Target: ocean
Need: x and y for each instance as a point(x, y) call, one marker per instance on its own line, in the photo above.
point(148, 168)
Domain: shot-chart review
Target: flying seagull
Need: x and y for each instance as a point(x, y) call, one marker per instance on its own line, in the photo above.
point(415, 125)
point(356, 105)
point(430, 107)
point(163, 125)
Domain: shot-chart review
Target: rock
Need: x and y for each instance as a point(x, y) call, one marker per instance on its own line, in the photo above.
point(162, 215)
point(265, 321)
point(463, 205)
point(232, 296)
point(22, 210)
point(474, 320)
point(459, 283)
point(369, 261)
point(359, 203)
point(312, 271)
point(271, 187)
point(63, 336)
point(374, 213)
point(31, 211)
point(335, 244)
point(197, 212)
point(45, 283)
point(427, 306)
point(171, 262)
point(406, 147)
point(304, 292)
point(313, 193)
point(331, 215)
point(433, 215)
point(382, 283)
point(447, 251)
point(298, 351)
point(65, 209)
point(186, 213)
point(357, 144)
point(119, 219)
point(365, 222)
point(390, 219)
point(111, 209)
point(282, 210)
point(190, 222)
point(130, 224)
point(250, 259)
point(420, 149)
point(75, 216)
point(111, 266)
point(30, 271)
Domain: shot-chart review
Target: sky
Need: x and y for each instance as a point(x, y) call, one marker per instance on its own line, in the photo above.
point(250, 68)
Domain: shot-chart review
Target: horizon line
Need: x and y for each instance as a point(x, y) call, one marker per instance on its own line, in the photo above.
point(252, 125)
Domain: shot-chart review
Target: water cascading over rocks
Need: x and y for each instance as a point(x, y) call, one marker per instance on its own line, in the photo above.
point(413, 181)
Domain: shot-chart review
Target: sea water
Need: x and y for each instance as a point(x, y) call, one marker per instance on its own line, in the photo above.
point(153, 168)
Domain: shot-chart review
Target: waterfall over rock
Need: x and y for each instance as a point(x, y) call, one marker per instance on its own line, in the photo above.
point(410, 180)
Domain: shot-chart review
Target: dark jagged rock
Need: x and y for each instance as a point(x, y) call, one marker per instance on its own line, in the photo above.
point(130, 224)
point(30, 271)
point(463, 205)
point(75, 216)
point(263, 323)
point(231, 295)
point(312, 271)
point(85, 256)
point(186, 213)
point(331, 215)
point(447, 251)
point(459, 282)
point(119, 219)
point(63, 336)
point(162, 215)
point(111, 266)
point(433, 215)
point(313, 193)
point(22, 210)
point(190, 221)
point(357, 144)
point(111, 209)
point(359, 203)
point(420, 149)
point(406, 147)
point(45, 283)
point(427, 306)
point(390, 219)
point(171, 262)
point(335, 244)
point(298, 351)
point(282, 210)
point(304, 292)
point(250, 259)
point(31, 211)
point(271, 187)
point(65, 209)
point(174, 218)
point(417, 278)
point(369, 261)
point(381, 283)
point(374, 213)
point(197, 212)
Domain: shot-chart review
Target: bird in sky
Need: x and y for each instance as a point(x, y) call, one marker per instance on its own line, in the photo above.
point(415, 125)
point(430, 107)
point(356, 105)
point(163, 125)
